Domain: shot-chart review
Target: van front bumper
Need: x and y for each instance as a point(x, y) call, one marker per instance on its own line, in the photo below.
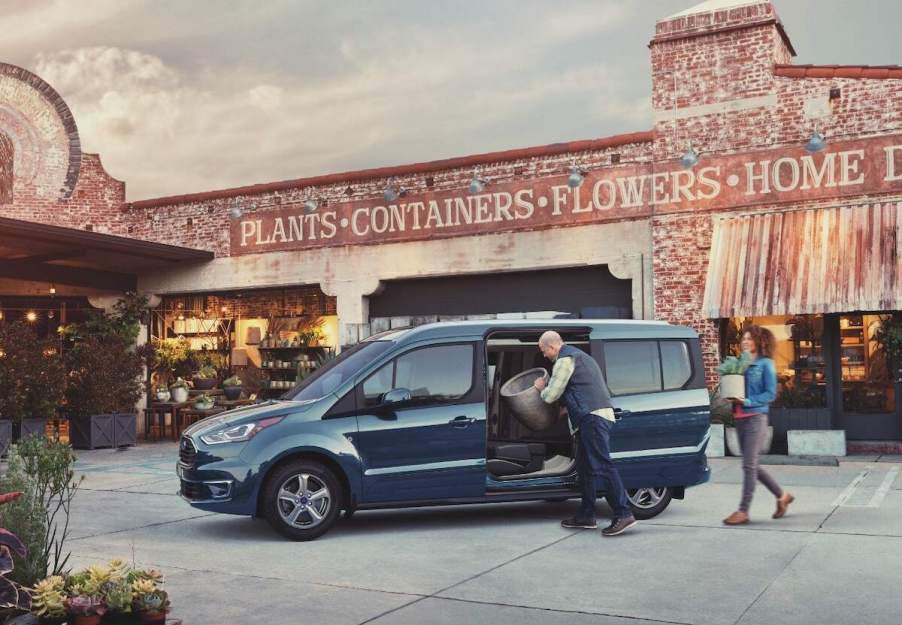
point(216, 483)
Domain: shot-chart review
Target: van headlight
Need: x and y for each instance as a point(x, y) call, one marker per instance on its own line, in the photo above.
point(238, 433)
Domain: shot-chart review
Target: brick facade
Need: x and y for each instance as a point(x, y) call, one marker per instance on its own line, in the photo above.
point(719, 83)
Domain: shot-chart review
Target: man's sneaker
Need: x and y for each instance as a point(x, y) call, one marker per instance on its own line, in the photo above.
point(578, 524)
point(619, 526)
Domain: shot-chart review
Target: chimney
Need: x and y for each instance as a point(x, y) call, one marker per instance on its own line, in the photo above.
point(712, 76)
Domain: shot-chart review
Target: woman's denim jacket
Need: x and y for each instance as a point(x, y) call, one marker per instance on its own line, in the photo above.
point(760, 385)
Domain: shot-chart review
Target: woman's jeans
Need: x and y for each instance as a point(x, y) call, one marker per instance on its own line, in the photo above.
point(751, 431)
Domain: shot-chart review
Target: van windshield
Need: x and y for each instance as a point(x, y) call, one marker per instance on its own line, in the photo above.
point(334, 373)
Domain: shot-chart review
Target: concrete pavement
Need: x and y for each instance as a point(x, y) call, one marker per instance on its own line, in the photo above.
point(836, 559)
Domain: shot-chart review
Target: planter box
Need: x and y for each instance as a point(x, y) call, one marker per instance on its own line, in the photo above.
point(106, 430)
point(732, 437)
point(816, 442)
point(31, 427)
point(715, 447)
point(6, 435)
point(785, 419)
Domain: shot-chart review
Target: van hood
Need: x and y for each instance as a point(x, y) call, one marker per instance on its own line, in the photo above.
point(271, 408)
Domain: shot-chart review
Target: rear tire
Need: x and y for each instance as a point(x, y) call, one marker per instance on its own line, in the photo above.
point(302, 500)
point(648, 503)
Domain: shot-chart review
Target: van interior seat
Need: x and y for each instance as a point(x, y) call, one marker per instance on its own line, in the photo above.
point(514, 458)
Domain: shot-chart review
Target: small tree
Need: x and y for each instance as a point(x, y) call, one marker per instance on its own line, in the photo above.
point(105, 376)
point(32, 375)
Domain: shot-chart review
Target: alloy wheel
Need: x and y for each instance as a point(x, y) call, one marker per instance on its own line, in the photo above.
point(646, 498)
point(304, 501)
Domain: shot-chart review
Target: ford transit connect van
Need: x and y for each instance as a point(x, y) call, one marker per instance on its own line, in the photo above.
point(414, 417)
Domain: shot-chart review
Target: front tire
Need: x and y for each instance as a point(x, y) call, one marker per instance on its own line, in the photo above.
point(302, 500)
point(648, 503)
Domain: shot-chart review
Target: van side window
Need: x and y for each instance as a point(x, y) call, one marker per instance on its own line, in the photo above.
point(440, 373)
point(632, 367)
point(676, 364)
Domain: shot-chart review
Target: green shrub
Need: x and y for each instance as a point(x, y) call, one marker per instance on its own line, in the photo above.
point(42, 470)
point(733, 365)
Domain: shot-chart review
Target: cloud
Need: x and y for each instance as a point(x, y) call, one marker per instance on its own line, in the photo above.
point(404, 93)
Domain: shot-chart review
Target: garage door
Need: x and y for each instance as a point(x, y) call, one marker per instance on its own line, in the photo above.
point(581, 292)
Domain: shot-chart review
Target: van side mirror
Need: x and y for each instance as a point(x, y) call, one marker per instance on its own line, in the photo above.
point(396, 396)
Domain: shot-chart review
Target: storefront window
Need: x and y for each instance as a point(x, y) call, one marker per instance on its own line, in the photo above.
point(799, 356)
point(867, 384)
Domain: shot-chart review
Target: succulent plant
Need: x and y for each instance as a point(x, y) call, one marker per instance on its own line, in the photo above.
point(85, 605)
point(48, 596)
point(179, 383)
point(156, 601)
point(232, 381)
point(207, 372)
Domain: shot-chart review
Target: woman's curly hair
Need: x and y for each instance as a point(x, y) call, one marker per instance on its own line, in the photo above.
point(765, 342)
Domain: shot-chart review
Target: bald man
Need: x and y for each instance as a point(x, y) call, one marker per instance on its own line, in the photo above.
point(577, 381)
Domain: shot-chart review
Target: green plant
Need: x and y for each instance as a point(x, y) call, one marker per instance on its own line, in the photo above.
point(721, 409)
point(42, 470)
point(203, 399)
point(889, 336)
point(149, 597)
point(800, 396)
point(106, 375)
point(232, 381)
point(48, 597)
point(171, 358)
point(32, 374)
point(206, 372)
point(733, 365)
point(123, 322)
point(179, 383)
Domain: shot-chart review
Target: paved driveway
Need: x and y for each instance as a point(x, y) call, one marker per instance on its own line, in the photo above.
point(836, 559)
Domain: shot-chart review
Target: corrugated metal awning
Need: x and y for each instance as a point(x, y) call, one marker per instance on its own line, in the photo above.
point(835, 259)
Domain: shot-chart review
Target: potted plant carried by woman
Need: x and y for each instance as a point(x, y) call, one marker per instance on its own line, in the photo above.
point(179, 391)
point(231, 387)
point(732, 376)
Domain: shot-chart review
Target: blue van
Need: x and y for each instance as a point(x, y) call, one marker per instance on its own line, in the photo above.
point(414, 417)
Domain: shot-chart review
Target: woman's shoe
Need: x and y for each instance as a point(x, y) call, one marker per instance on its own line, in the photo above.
point(782, 504)
point(737, 518)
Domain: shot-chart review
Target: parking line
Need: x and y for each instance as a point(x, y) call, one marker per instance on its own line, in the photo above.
point(887, 483)
point(850, 489)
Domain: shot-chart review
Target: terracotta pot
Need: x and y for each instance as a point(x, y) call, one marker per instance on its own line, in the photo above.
point(81, 619)
point(152, 618)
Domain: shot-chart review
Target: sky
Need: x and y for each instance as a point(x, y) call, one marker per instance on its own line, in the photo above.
point(186, 96)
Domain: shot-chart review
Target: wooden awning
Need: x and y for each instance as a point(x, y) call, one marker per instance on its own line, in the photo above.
point(38, 252)
point(835, 259)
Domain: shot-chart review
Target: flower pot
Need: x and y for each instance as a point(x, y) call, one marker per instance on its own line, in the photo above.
point(732, 437)
point(152, 618)
point(231, 392)
point(204, 384)
point(732, 385)
point(179, 394)
point(163, 395)
point(81, 619)
point(203, 405)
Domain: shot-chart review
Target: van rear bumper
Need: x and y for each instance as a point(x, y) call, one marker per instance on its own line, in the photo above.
point(660, 471)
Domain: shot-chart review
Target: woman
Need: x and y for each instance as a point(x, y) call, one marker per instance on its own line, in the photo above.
point(750, 415)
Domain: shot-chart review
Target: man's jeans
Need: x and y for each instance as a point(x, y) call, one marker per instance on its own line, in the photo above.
point(595, 468)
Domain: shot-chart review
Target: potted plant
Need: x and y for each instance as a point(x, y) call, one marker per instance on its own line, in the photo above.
point(47, 600)
point(203, 402)
point(732, 376)
point(205, 378)
point(231, 387)
point(13, 598)
point(149, 602)
point(179, 390)
point(32, 377)
point(163, 394)
point(85, 609)
point(105, 383)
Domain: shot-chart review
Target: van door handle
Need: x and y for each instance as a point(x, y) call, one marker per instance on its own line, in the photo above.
point(619, 413)
point(462, 422)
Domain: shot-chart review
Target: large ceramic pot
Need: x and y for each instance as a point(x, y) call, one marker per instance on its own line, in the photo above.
point(231, 392)
point(179, 394)
point(526, 403)
point(732, 385)
point(735, 448)
point(204, 384)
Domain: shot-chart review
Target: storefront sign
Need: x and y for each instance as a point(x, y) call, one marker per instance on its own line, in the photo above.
point(767, 177)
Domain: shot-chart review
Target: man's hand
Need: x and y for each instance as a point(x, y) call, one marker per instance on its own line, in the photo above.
point(539, 384)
